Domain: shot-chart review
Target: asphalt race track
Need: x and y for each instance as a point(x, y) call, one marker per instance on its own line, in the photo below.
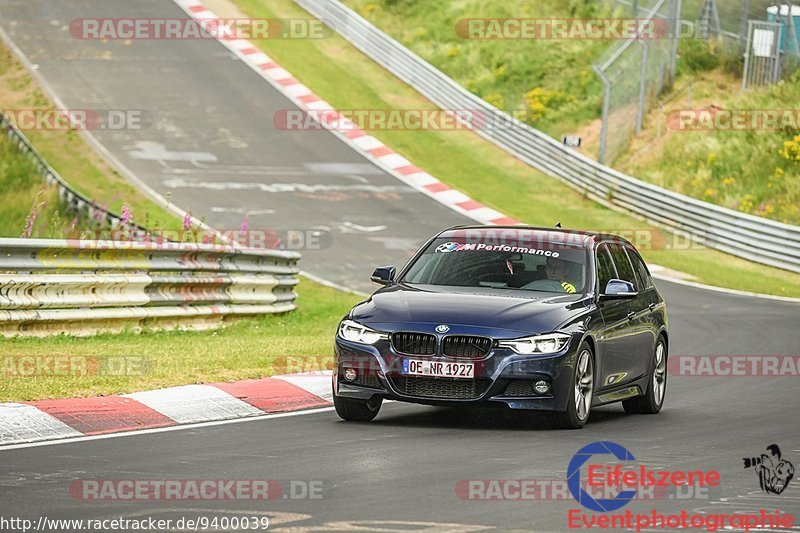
point(400, 472)
point(404, 466)
point(213, 145)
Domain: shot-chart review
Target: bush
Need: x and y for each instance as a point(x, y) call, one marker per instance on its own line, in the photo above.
point(699, 55)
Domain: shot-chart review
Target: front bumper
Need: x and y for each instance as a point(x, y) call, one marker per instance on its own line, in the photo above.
point(502, 378)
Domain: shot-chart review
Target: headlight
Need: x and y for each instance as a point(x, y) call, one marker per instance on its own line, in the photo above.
point(355, 332)
point(539, 344)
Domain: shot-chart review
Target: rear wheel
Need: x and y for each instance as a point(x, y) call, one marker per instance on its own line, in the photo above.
point(355, 410)
point(653, 400)
point(580, 402)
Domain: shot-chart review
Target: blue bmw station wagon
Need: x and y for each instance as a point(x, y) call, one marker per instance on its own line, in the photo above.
point(525, 318)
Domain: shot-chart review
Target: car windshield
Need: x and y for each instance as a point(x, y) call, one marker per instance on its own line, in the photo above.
point(507, 263)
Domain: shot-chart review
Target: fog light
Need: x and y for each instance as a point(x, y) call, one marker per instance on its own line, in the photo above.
point(350, 374)
point(541, 387)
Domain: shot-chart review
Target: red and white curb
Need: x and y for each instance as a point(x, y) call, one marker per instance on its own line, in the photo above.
point(47, 420)
point(370, 147)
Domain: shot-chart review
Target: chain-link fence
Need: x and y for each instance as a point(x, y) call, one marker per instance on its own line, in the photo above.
point(763, 31)
point(634, 73)
point(728, 17)
point(707, 17)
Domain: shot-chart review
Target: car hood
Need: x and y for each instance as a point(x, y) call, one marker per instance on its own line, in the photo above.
point(497, 309)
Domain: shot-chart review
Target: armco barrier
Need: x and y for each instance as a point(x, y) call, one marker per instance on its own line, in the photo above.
point(57, 285)
point(757, 239)
point(74, 200)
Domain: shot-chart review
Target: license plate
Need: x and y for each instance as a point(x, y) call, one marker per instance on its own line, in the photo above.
point(438, 369)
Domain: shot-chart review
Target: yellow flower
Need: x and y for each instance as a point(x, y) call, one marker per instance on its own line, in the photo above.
point(501, 73)
point(495, 98)
point(791, 149)
point(746, 204)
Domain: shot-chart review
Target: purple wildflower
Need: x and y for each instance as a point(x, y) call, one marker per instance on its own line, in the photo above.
point(127, 215)
point(30, 221)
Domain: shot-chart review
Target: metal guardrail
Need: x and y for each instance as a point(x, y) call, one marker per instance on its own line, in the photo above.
point(757, 239)
point(48, 284)
point(74, 200)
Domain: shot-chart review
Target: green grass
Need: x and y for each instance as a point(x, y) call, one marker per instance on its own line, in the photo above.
point(739, 170)
point(245, 349)
point(757, 171)
point(68, 153)
point(26, 195)
point(127, 362)
point(348, 80)
point(504, 71)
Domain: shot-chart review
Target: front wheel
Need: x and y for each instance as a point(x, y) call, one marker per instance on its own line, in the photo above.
point(580, 401)
point(651, 403)
point(355, 410)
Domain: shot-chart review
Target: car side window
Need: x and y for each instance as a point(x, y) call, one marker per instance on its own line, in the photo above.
point(645, 281)
point(605, 268)
point(624, 268)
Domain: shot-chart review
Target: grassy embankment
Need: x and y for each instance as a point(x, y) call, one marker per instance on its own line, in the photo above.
point(127, 362)
point(348, 80)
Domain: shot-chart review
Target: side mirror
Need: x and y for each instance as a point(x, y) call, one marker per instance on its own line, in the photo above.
point(617, 289)
point(383, 275)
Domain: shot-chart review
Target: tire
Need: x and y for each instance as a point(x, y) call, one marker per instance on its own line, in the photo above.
point(579, 405)
point(355, 410)
point(653, 400)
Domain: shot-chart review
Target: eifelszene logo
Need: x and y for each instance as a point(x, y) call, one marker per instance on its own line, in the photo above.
point(611, 468)
point(574, 476)
point(774, 473)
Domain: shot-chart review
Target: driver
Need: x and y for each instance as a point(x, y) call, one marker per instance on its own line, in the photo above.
point(555, 280)
point(558, 270)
